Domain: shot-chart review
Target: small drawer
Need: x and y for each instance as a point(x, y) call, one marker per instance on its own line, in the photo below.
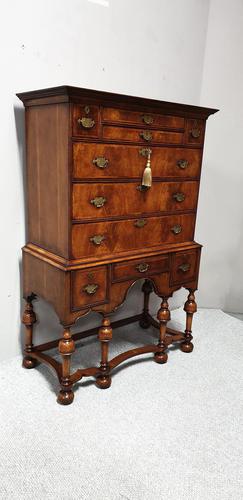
point(89, 287)
point(116, 115)
point(194, 131)
point(184, 266)
point(140, 268)
point(85, 120)
point(142, 136)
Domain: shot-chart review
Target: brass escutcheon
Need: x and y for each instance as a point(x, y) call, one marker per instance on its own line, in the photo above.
point(91, 288)
point(179, 197)
point(101, 162)
point(182, 164)
point(184, 267)
point(140, 223)
point(176, 229)
point(145, 152)
point(97, 239)
point(98, 202)
point(146, 135)
point(142, 268)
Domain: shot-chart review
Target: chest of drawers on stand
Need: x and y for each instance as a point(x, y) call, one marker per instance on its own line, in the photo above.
point(112, 191)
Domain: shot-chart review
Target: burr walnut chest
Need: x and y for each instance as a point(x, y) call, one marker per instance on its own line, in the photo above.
point(112, 192)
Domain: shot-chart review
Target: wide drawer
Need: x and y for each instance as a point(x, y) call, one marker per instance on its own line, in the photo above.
point(141, 136)
point(106, 161)
point(140, 268)
point(184, 266)
point(108, 200)
point(141, 118)
point(105, 238)
point(89, 287)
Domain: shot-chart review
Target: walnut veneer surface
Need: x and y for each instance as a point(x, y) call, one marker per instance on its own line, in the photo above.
point(95, 225)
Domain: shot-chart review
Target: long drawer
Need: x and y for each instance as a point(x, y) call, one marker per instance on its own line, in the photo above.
point(142, 136)
point(141, 118)
point(99, 200)
point(93, 161)
point(105, 238)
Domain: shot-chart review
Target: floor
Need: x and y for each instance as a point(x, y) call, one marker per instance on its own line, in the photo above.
point(170, 431)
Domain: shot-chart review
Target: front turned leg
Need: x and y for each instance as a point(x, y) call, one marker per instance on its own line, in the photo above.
point(163, 316)
point(103, 380)
point(66, 347)
point(147, 289)
point(29, 318)
point(190, 308)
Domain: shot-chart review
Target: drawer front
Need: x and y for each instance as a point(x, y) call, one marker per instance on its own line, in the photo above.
point(117, 115)
point(140, 268)
point(85, 119)
point(194, 131)
point(122, 199)
point(184, 266)
point(106, 161)
point(89, 287)
point(142, 136)
point(105, 238)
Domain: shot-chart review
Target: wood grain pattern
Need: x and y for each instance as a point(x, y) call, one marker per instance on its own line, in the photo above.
point(127, 199)
point(124, 235)
point(136, 117)
point(127, 161)
point(135, 135)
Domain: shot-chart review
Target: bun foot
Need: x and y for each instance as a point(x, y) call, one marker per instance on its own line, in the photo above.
point(186, 347)
point(29, 362)
point(103, 382)
point(161, 357)
point(65, 397)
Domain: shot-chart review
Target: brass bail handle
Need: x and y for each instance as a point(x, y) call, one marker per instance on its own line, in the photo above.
point(147, 173)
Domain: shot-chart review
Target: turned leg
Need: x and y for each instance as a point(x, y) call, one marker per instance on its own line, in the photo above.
point(163, 316)
point(147, 288)
point(190, 308)
point(66, 347)
point(29, 318)
point(105, 335)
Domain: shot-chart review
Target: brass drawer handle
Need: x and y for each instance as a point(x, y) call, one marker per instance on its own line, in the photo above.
point(146, 135)
point(86, 122)
point(148, 119)
point(140, 223)
point(184, 267)
point(179, 197)
point(98, 202)
point(182, 164)
point(101, 162)
point(176, 229)
point(142, 268)
point(97, 239)
point(195, 133)
point(91, 288)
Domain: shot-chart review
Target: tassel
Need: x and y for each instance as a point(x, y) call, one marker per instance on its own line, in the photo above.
point(147, 174)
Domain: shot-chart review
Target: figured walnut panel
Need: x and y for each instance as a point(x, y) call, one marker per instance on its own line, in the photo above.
point(141, 118)
point(184, 266)
point(128, 162)
point(135, 135)
point(85, 112)
point(125, 199)
point(89, 287)
point(140, 268)
point(125, 235)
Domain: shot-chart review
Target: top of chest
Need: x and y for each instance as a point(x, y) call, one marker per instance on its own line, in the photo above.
point(103, 116)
